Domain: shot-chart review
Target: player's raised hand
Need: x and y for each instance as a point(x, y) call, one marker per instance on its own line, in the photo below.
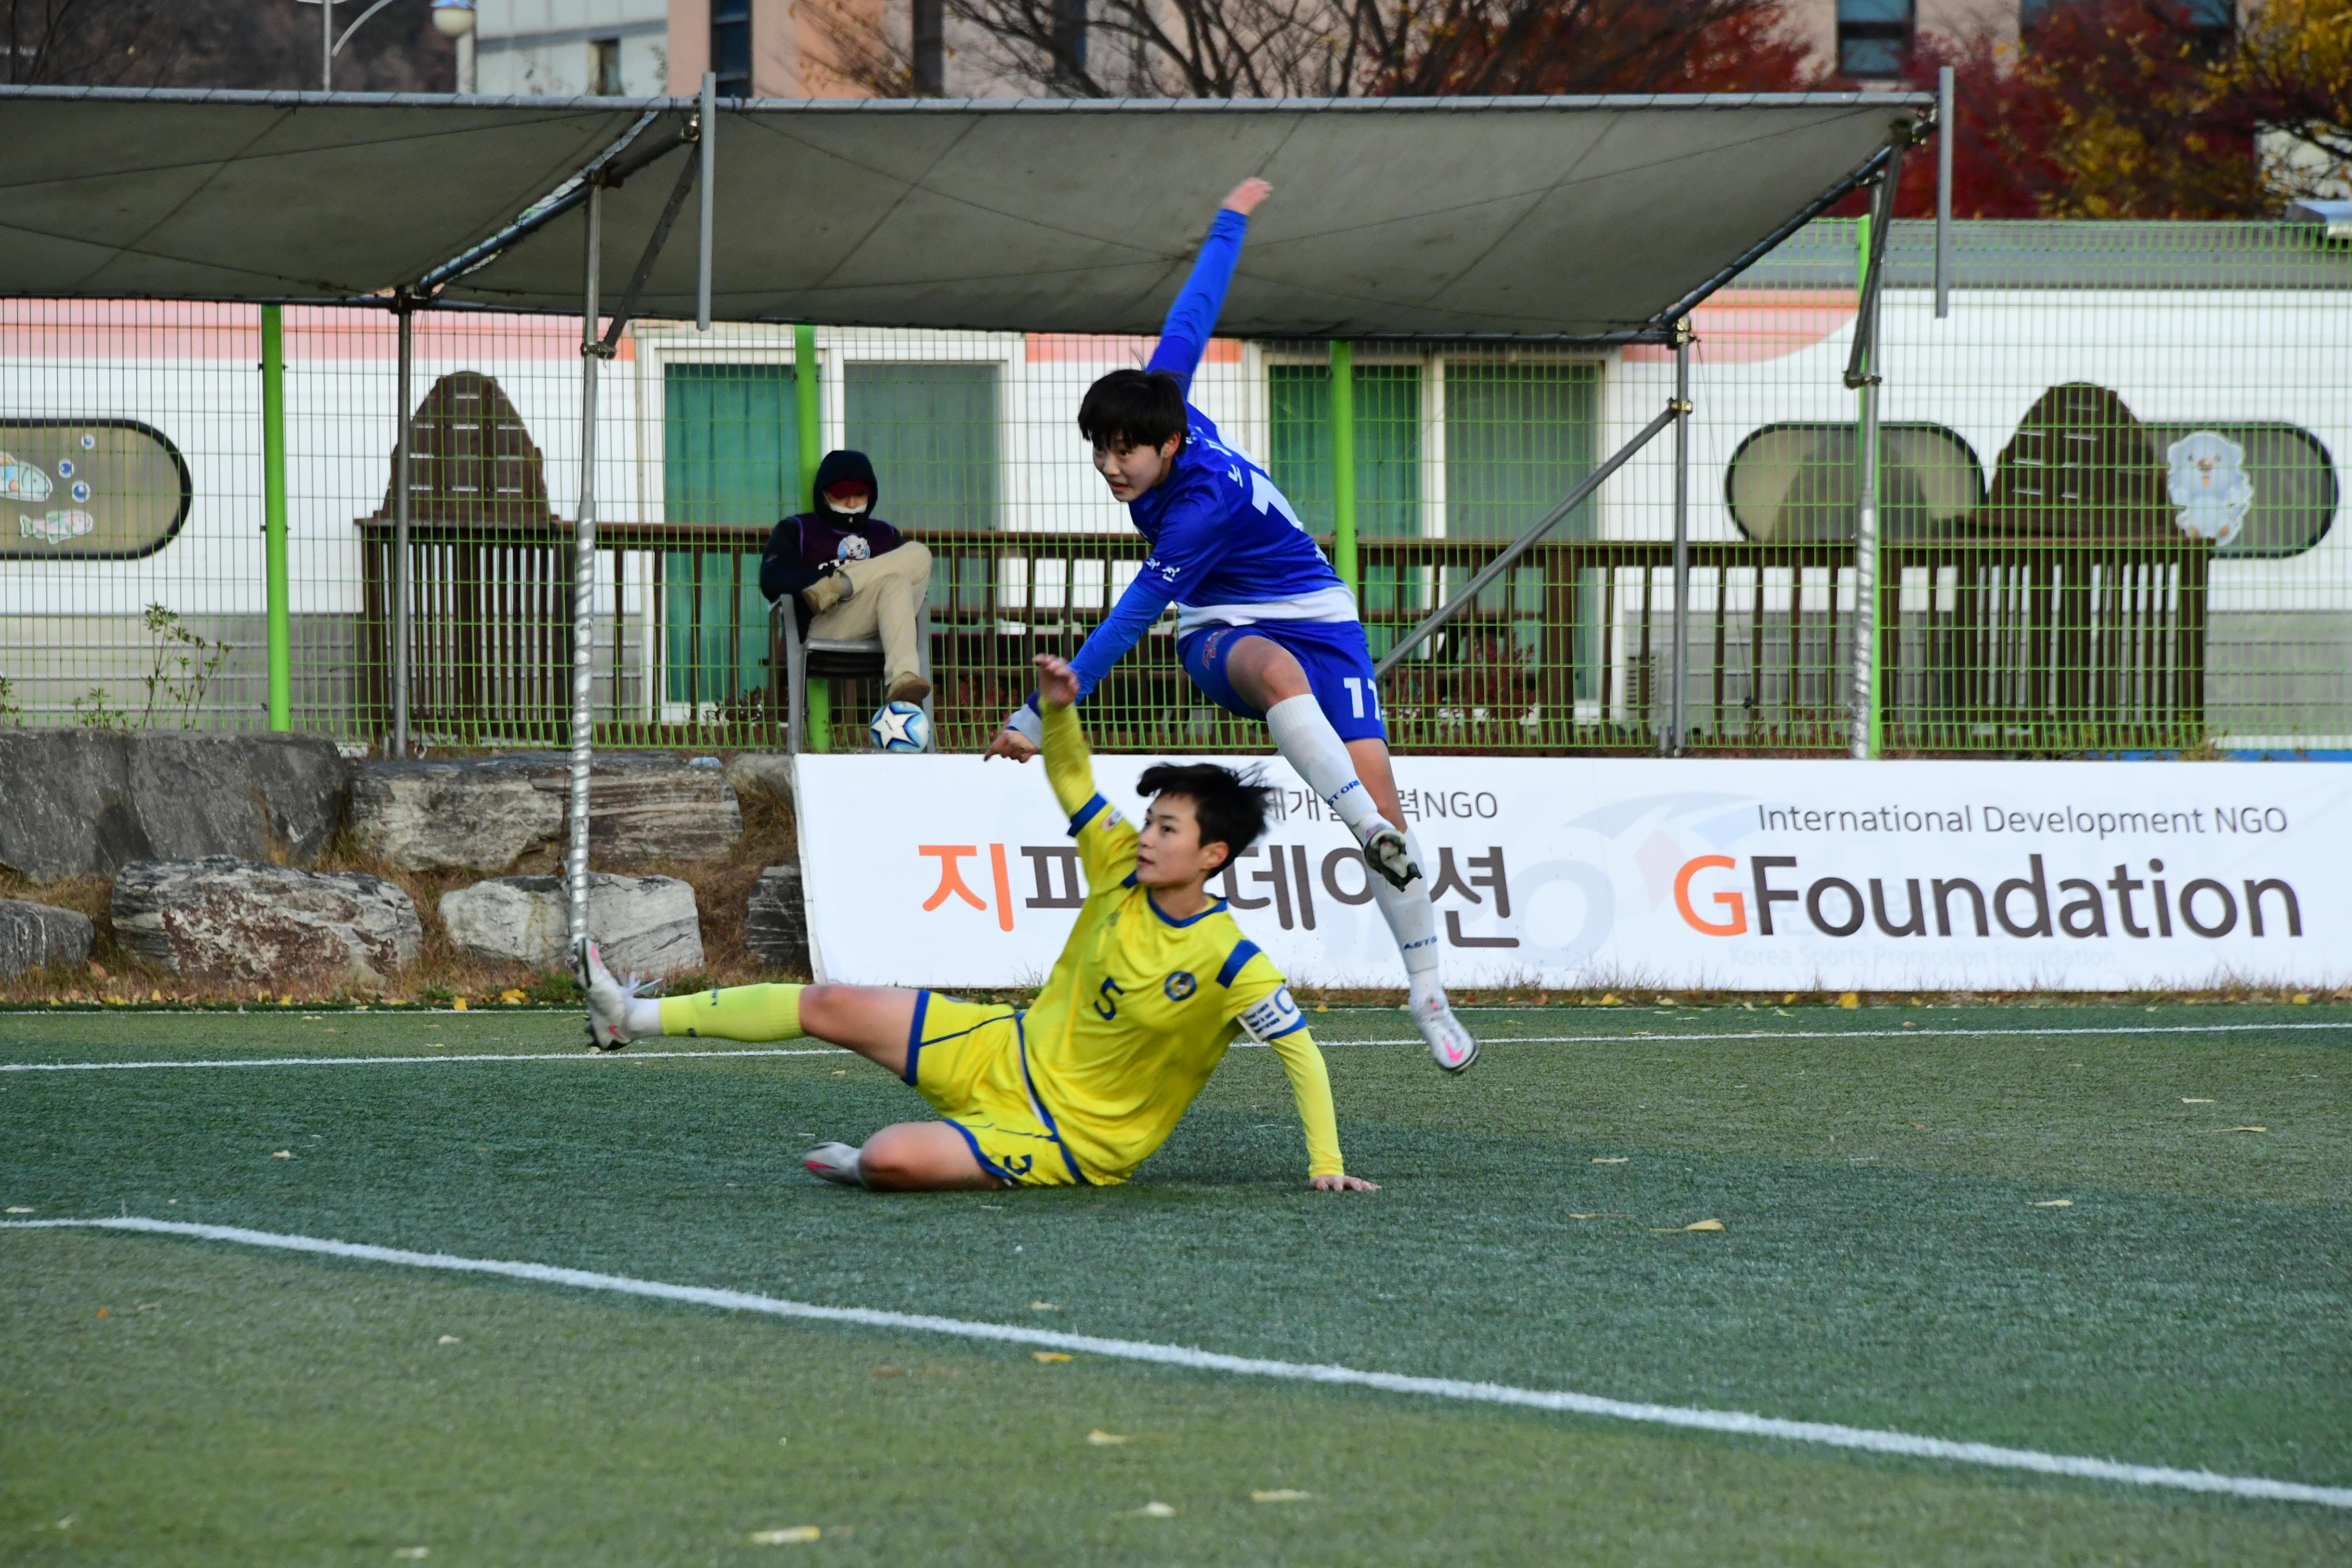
point(1244, 198)
point(1343, 1184)
point(1057, 683)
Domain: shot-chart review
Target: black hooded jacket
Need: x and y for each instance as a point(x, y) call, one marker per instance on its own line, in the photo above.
point(803, 545)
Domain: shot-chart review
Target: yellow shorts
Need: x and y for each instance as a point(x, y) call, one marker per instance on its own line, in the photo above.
point(969, 1059)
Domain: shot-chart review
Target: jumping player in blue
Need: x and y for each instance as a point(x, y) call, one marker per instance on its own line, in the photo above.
point(1266, 627)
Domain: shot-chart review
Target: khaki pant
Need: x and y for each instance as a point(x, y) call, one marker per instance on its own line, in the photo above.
point(887, 592)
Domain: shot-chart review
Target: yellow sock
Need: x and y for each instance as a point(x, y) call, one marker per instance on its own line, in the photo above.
point(747, 1013)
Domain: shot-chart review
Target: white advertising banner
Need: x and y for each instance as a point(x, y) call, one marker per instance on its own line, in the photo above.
point(1698, 873)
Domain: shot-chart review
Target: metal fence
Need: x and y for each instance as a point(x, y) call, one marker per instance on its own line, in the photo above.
point(2109, 494)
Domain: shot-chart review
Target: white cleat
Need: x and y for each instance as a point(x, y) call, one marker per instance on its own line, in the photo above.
point(608, 998)
point(834, 1163)
point(1386, 851)
point(1450, 1044)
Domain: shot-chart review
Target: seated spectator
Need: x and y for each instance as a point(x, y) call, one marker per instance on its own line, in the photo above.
point(850, 574)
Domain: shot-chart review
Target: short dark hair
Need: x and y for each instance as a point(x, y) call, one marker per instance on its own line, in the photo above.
point(1230, 807)
point(1133, 409)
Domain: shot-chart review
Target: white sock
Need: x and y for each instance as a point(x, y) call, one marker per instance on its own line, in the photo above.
point(1412, 921)
point(641, 1018)
point(1307, 742)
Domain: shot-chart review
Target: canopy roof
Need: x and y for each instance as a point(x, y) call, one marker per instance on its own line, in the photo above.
point(1433, 217)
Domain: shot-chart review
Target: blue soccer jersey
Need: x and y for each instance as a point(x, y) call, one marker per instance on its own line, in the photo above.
point(1226, 545)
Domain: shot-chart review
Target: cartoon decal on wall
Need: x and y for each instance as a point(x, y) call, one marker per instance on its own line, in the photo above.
point(2210, 484)
point(124, 489)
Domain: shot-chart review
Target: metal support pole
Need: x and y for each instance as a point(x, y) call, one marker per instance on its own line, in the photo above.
point(805, 415)
point(1343, 463)
point(1678, 717)
point(584, 577)
point(1521, 545)
point(1946, 125)
point(1862, 739)
point(326, 46)
point(273, 519)
point(404, 570)
point(707, 136)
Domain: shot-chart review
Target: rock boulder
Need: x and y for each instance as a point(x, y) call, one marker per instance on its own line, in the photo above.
point(645, 925)
point(238, 921)
point(81, 802)
point(486, 813)
point(478, 815)
point(775, 922)
point(32, 935)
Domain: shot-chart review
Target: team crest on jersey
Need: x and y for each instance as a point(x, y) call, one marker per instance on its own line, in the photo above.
point(1180, 985)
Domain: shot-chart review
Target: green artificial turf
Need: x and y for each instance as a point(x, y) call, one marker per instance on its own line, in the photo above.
point(1883, 1263)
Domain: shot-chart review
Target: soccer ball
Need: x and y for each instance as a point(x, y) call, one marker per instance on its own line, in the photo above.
point(900, 727)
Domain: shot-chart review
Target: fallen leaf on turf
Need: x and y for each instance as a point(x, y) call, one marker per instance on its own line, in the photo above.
point(889, 1372)
point(1792, 996)
point(2303, 998)
point(798, 1532)
point(1102, 1439)
point(101, 1311)
point(1045, 1306)
point(1153, 1511)
point(513, 998)
point(1706, 1225)
point(2186, 1101)
point(2237, 1130)
point(149, 1307)
point(1282, 1494)
point(1610, 1000)
point(457, 1003)
point(1049, 1355)
point(283, 1154)
point(2052, 1204)
point(19, 1208)
point(1610, 1159)
point(449, 1339)
point(411, 1551)
point(1850, 999)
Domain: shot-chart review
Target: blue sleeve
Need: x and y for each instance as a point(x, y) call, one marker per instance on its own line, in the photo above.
point(1148, 594)
point(1193, 317)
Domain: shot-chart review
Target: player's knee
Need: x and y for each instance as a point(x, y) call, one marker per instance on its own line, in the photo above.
point(894, 1159)
point(825, 1009)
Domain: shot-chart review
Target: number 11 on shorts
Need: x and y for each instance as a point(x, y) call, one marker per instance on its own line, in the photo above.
point(1359, 689)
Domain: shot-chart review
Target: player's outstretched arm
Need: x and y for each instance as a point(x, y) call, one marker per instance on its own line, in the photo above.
point(1193, 317)
point(1268, 1015)
point(1070, 766)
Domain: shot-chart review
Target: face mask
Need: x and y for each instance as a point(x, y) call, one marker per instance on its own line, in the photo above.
point(832, 505)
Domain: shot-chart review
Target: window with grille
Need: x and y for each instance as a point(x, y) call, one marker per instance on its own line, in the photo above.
point(1388, 446)
point(1873, 37)
point(730, 46)
point(931, 430)
point(1518, 437)
point(730, 455)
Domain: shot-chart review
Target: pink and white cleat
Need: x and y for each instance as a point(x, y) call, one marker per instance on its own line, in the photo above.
point(1452, 1046)
point(834, 1163)
point(608, 999)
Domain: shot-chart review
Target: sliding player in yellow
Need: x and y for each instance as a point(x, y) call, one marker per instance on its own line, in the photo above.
point(1152, 987)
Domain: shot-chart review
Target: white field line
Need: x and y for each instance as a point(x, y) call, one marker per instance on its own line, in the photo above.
point(1492, 1040)
point(596, 1057)
point(1738, 1422)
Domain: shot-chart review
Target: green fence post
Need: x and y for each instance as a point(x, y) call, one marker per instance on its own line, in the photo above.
point(812, 445)
point(1343, 462)
point(273, 515)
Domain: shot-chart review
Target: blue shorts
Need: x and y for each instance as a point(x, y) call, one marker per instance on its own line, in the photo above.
point(1339, 668)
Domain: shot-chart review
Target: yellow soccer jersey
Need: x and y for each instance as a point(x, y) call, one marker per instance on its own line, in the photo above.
point(1140, 1007)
